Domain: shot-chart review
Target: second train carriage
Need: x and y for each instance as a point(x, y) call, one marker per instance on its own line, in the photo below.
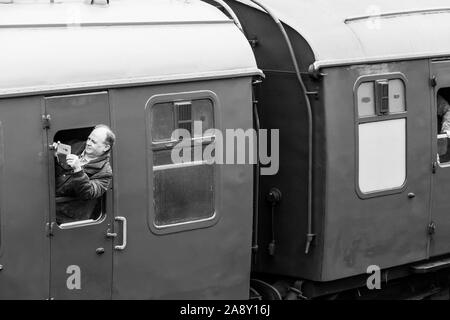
point(379, 189)
point(164, 230)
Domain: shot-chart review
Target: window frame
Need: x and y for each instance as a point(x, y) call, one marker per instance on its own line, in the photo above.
point(379, 118)
point(151, 147)
point(88, 222)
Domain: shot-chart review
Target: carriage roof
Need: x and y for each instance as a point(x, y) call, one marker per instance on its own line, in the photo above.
point(72, 44)
point(352, 31)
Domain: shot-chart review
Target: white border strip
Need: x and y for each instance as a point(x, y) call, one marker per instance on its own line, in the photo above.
point(131, 82)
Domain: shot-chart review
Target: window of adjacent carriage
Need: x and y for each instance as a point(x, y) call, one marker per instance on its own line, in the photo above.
point(370, 95)
point(168, 116)
point(182, 193)
point(69, 208)
point(381, 139)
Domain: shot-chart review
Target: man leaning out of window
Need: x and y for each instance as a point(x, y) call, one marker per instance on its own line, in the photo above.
point(85, 176)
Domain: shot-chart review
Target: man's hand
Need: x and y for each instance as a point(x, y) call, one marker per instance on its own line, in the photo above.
point(54, 147)
point(74, 162)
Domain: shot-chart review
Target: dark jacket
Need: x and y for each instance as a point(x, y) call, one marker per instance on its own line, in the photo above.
point(89, 183)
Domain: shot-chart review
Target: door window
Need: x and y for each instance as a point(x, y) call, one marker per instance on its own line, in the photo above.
point(69, 207)
point(380, 103)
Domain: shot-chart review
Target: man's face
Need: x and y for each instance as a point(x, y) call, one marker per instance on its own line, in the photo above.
point(95, 144)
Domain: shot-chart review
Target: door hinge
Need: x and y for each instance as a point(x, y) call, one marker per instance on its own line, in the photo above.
point(433, 81)
point(46, 121)
point(433, 167)
point(49, 228)
point(431, 228)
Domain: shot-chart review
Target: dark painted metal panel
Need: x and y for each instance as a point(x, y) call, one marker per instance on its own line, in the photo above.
point(282, 106)
point(77, 246)
point(271, 50)
point(205, 263)
point(387, 230)
point(25, 246)
point(440, 215)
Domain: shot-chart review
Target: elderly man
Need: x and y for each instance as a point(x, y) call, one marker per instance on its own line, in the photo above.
point(85, 176)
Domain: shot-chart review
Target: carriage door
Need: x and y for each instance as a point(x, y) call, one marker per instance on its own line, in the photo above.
point(439, 228)
point(81, 252)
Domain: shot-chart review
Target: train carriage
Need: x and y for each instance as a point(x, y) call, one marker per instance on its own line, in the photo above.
point(378, 198)
point(145, 68)
point(354, 88)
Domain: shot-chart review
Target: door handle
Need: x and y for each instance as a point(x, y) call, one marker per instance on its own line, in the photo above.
point(124, 233)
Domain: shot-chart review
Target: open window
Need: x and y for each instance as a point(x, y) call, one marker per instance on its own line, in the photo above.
point(443, 125)
point(183, 192)
point(381, 116)
point(70, 210)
